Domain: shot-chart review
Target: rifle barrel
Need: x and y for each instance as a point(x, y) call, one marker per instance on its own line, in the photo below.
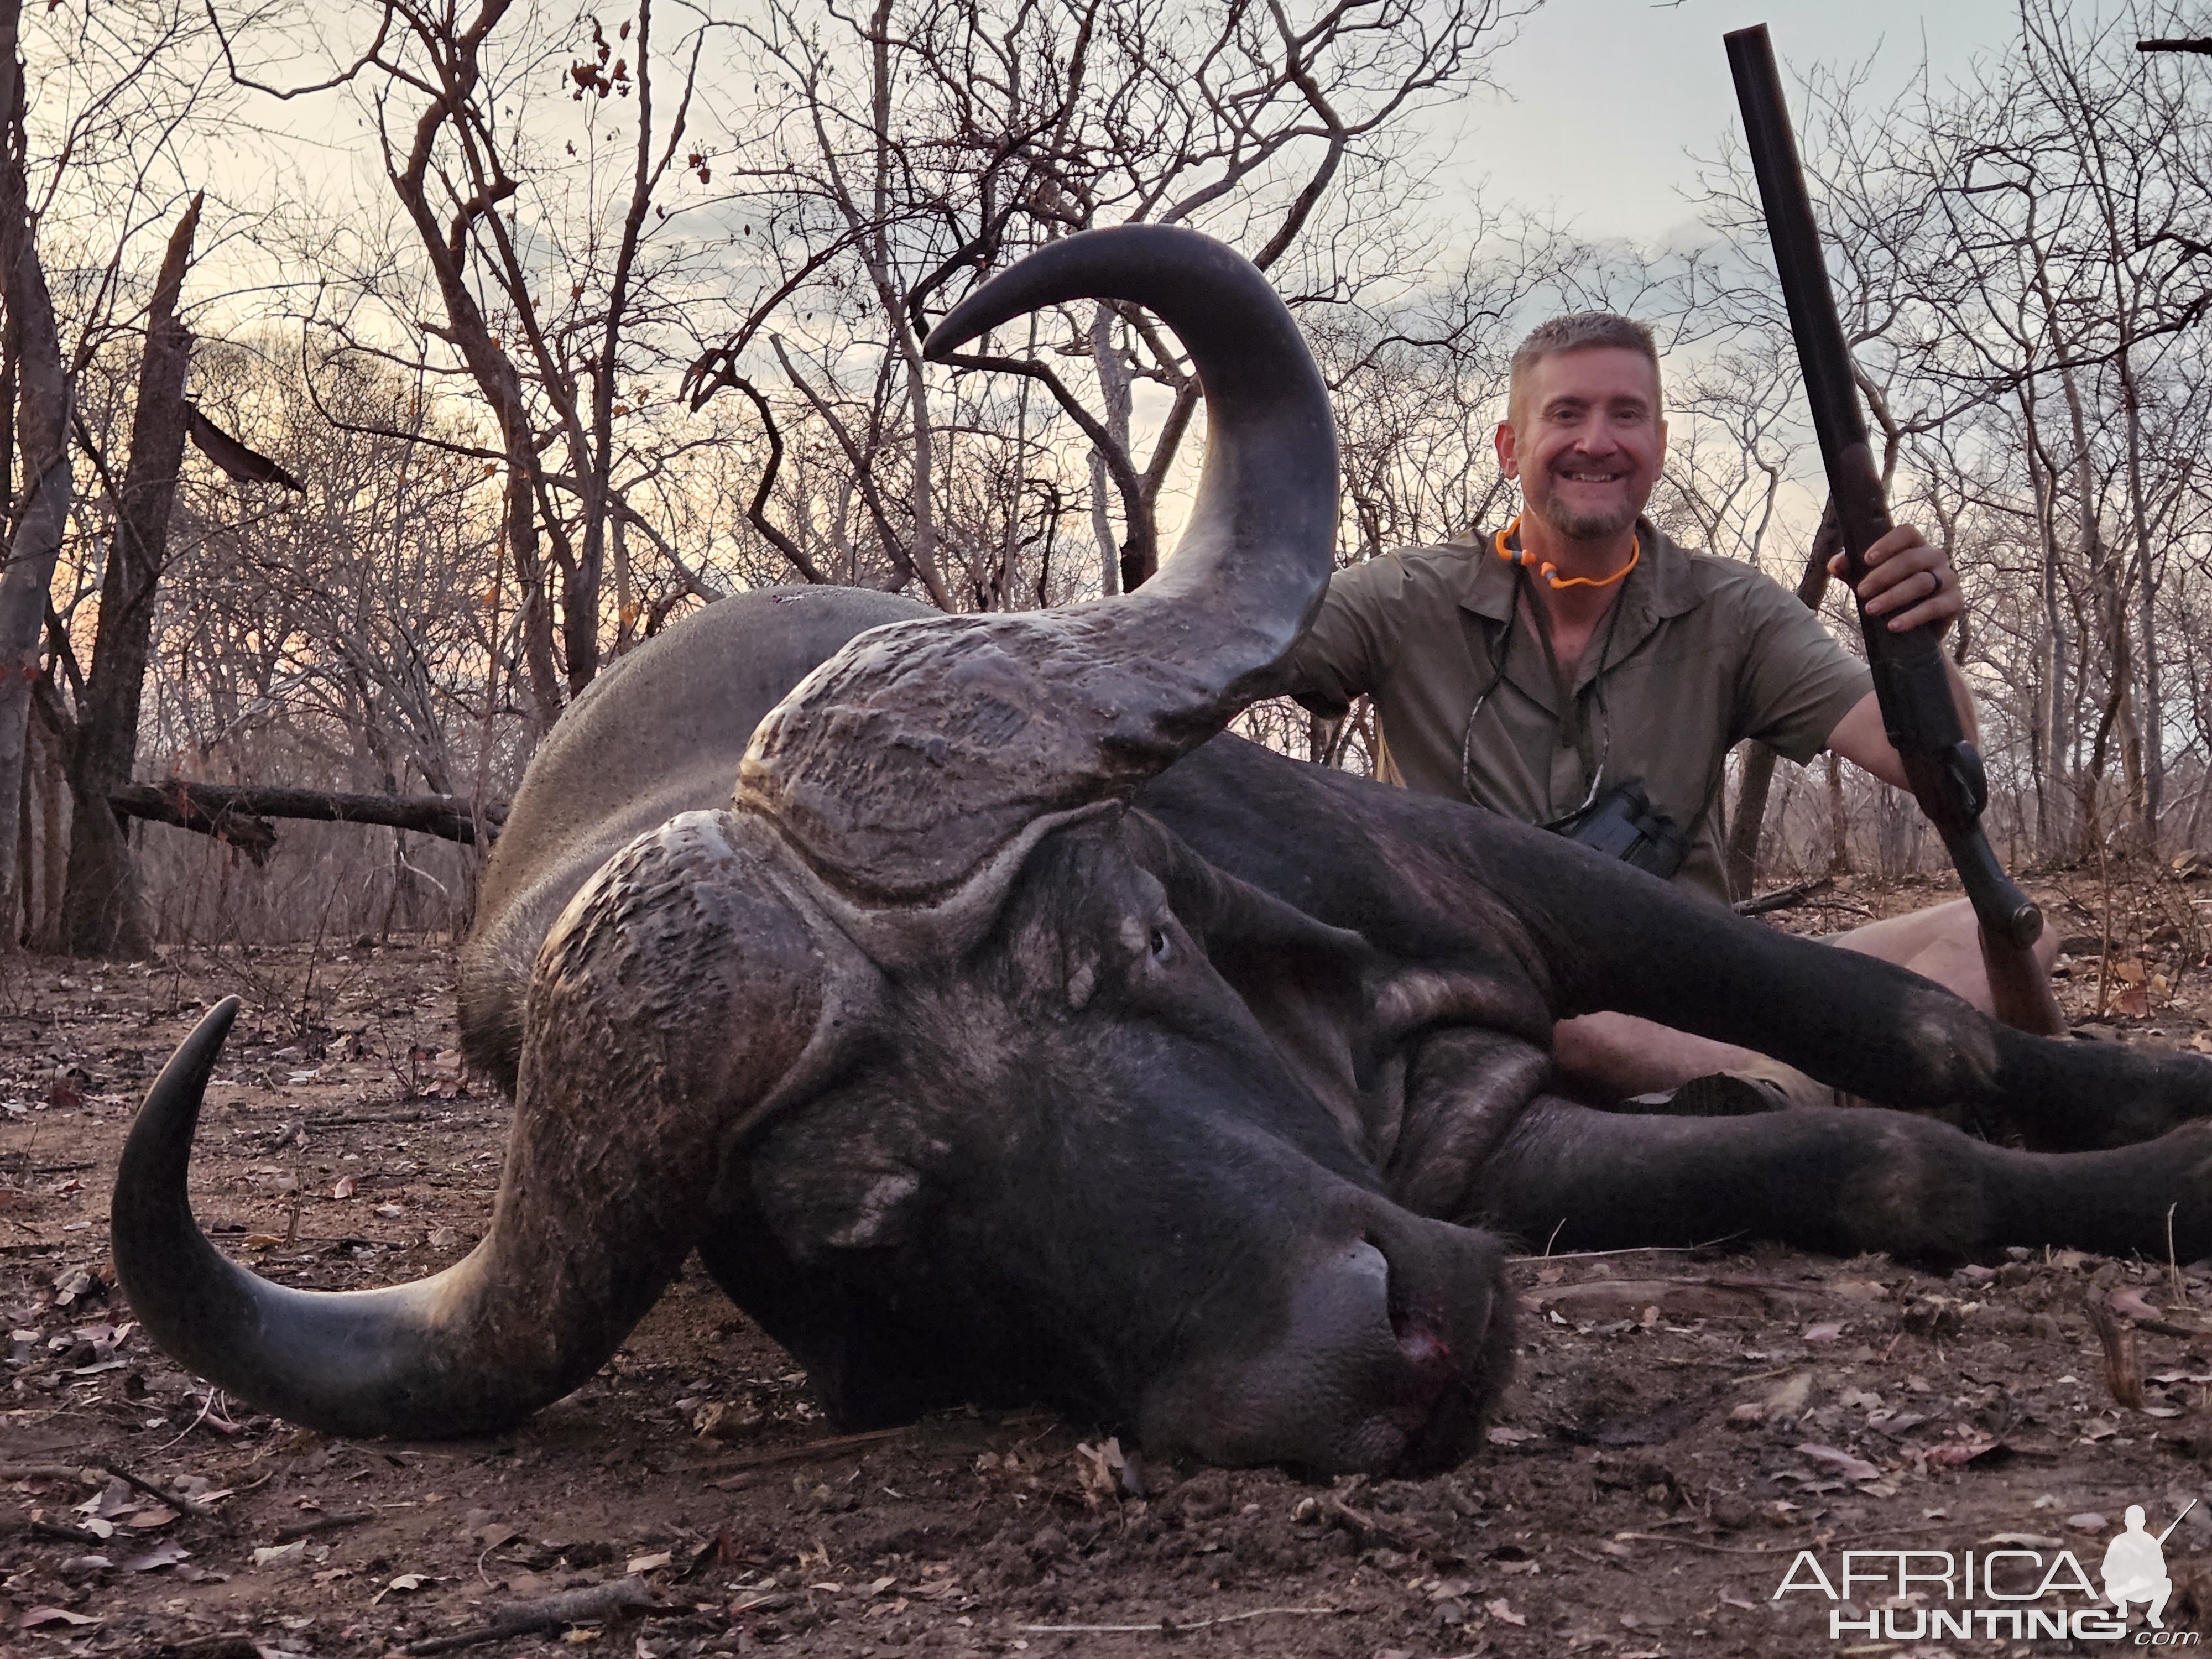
point(2176, 1521)
point(1913, 688)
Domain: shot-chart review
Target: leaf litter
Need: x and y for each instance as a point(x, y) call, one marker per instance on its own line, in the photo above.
point(1947, 1406)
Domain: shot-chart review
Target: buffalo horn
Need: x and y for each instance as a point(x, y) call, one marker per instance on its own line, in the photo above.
point(899, 768)
point(500, 1332)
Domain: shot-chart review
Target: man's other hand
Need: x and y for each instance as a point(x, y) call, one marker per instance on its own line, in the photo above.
point(1907, 582)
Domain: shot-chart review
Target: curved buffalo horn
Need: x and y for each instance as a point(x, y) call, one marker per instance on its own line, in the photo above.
point(899, 768)
point(525, 1317)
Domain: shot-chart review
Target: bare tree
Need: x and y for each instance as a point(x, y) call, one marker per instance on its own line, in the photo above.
point(101, 913)
point(38, 512)
point(909, 148)
point(548, 262)
point(97, 160)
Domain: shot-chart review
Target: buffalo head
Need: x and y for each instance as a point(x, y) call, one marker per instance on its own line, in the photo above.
point(965, 1078)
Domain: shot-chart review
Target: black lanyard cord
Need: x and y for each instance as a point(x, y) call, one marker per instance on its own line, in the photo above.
point(1501, 651)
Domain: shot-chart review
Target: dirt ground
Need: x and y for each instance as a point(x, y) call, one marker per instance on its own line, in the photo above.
point(1684, 1425)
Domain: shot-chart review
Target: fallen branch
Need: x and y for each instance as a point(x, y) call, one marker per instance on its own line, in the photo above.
point(589, 1605)
point(1367, 1530)
point(356, 1120)
point(812, 1449)
point(1700, 1544)
point(1782, 899)
point(58, 1532)
point(1175, 1626)
point(308, 1528)
point(1633, 1249)
point(2123, 1370)
point(241, 815)
point(172, 1499)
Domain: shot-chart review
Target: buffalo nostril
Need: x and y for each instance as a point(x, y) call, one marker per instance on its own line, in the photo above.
point(1419, 1337)
point(1419, 1331)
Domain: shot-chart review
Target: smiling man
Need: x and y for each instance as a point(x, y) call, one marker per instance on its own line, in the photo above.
point(1579, 670)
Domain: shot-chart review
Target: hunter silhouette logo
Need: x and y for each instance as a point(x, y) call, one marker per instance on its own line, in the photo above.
point(2135, 1566)
point(2028, 1588)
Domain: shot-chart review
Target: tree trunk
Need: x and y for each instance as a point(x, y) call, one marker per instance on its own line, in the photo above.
point(1839, 838)
point(41, 515)
point(2047, 726)
point(1741, 857)
point(1114, 385)
point(26, 888)
point(2152, 736)
point(101, 912)
point(44, 929)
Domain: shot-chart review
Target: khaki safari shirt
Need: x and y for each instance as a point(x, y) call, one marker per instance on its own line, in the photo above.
point(1698, 653)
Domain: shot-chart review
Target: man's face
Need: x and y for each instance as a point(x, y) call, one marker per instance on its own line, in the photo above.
point(1586, 441)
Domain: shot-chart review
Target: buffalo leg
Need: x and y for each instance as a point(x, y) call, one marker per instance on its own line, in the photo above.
point(1841, 1181)
point(1434, 883)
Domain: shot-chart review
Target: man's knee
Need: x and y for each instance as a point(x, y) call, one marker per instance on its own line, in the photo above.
point(1899, 938)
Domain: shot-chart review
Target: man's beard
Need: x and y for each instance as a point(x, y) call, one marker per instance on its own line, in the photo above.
point(1594, 526)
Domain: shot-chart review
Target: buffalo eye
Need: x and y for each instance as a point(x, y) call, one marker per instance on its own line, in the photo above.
point(1159, 944)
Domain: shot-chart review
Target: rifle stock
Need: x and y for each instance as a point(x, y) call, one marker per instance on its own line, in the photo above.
point(1914, 691)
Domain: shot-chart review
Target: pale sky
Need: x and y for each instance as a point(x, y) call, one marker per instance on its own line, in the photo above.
point(1602, 98)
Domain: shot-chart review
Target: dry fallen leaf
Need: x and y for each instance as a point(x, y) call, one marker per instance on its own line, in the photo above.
point(1100, 1471)
point(1789, 1396)
point(1842, 1463)
point(344, 1188)
point(37, 1616)
point(1957, 1454)
point(162, 1555)
point(651, 1563)
point(1501, 1610)
point(2128, 1304)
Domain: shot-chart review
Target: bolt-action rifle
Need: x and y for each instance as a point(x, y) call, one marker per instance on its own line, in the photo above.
point(1909, 680)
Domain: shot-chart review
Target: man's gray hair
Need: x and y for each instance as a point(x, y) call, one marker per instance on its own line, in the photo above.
point(1580, 330)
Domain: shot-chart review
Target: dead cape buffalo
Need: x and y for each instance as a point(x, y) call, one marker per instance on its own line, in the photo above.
point(1010, 1034)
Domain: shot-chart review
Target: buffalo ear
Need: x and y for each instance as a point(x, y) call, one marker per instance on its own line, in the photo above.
point(1230, 915)
point(1307, 983)
point(826, 1192)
